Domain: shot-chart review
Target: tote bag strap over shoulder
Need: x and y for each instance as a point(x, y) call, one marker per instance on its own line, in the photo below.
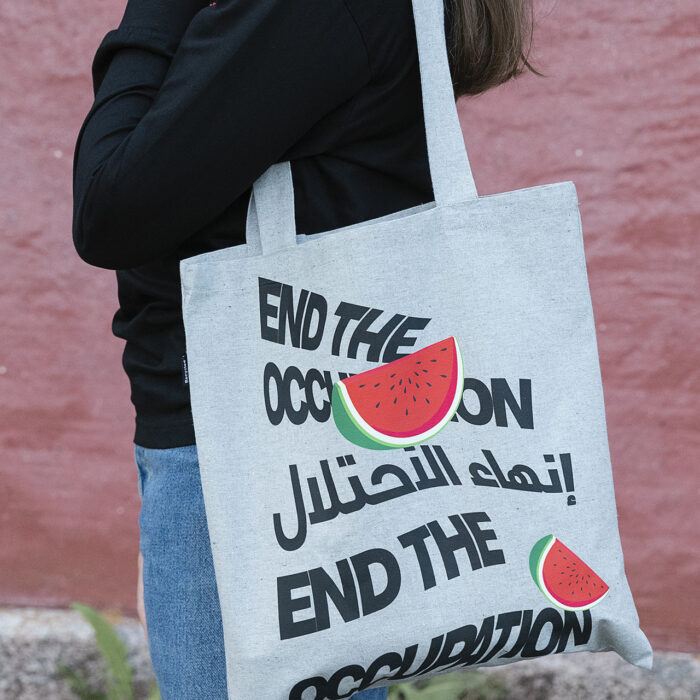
point(271, 226)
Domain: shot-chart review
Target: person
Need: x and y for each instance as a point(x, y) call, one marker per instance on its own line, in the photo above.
point(193, 100)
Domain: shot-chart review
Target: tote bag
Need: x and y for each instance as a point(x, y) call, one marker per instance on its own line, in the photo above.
point(401, 433)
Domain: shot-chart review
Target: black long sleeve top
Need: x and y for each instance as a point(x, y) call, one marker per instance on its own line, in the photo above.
point(190, 109)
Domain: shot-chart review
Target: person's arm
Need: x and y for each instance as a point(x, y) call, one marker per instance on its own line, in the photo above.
point(168, 145)
point(128, 68)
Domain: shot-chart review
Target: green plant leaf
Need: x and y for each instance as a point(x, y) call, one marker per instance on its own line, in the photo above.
point(78, 684)
point(451, 686)
point(154, 693)
point(113, 652)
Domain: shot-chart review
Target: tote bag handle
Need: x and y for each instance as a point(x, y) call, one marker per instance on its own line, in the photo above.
point(272, 200)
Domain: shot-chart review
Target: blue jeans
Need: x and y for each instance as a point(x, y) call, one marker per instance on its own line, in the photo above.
point(183, 616)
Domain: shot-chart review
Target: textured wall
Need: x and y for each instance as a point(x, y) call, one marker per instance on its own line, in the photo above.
point(617, 114)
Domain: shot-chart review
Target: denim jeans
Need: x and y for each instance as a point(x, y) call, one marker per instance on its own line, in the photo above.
point(183, 616)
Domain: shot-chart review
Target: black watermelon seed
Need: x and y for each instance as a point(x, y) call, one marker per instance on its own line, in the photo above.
point(378, 402)
point(429, 384)
point(416, 373)
point(443, 375)
point(394, 400)
point(400, 382)
point(443, 349)
point(404, 389)
point(406, 411)
point(428, 400)
point(417, 385)
point(409, 380)
point(417, 362)
point(391, 388)
point(393, 375)
point(361, 385)
point(377, 384)
point(414, 397)
point(433, 360)
point(425, 370)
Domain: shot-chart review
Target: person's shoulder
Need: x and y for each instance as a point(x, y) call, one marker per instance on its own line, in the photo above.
point(308, 24)
point(388, 31)
point(298, 13)
point(376, 15)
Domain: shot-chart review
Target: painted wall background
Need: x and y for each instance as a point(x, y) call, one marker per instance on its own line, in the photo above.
point(617, 114)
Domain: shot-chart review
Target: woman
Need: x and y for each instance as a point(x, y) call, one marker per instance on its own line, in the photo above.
point(193, 101)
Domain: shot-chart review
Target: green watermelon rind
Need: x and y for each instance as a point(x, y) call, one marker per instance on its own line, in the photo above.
point(348, 427)
point(536, 553)
point(358, 431)
point(538, 556)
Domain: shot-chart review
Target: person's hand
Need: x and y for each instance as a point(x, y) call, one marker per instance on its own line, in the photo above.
point(139, 597)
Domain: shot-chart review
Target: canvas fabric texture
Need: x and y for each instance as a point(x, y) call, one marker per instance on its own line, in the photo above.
point(366, 539)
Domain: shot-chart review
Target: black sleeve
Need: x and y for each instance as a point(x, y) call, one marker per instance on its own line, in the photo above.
point(176, 134)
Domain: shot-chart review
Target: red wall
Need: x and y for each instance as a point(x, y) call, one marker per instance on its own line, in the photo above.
point(617, 114)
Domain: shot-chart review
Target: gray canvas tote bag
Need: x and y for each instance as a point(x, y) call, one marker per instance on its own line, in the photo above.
point(401, 433)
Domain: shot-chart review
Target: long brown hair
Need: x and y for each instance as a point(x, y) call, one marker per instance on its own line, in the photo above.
point(488, 42)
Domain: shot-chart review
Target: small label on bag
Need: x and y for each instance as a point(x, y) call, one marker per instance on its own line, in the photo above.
point(185, 373)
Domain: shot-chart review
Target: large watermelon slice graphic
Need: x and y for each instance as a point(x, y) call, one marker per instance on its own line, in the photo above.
point(401, 403)
point(566, 580)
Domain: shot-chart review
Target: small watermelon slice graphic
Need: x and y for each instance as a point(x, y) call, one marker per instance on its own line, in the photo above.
point(401, 403)
point(566, 580)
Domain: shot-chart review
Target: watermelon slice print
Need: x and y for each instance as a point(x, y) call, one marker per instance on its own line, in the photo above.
point(565, 579)
point(401, 403)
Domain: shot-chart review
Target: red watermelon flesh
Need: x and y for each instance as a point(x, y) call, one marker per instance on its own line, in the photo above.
point(569, 580)
point(411, 395)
